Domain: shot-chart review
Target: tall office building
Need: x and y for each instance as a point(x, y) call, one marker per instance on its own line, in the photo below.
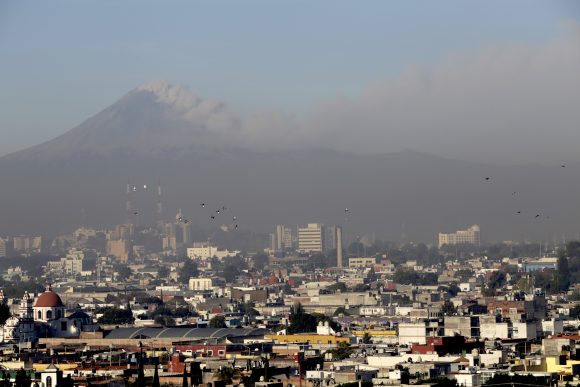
point(282, 238)
point(471, 236)
point(5, 248)
point(338, 234)
point(311, 238)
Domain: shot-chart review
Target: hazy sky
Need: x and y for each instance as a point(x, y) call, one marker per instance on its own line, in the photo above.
point(430, 72)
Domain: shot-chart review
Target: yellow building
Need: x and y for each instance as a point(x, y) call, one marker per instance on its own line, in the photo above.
point(356, 262)
point(375, 333)
point(311, 338)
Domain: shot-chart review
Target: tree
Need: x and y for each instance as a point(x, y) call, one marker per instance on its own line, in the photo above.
point(166, 321)
point(260, 261)
point(184, 378)
point(575, 312)
point(123, 272)
point(367, 338)
point(563, 273)
point(448, 309)
point(247, 309)
point(116, 316)
point(4, 313)
point(496, 281)
point(227, 375)
point(453, 289)
point(300, 321)
point(187, 271)
point(22, 379)
point(341, 352)
point(218, 321)
point(230, 273)
point(163, 272)
point(517, 380)
point(359, 288)
point(156, 378)
point(5, 382)
point(339, 287)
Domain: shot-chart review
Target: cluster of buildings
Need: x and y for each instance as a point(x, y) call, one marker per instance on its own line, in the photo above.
point(372, 319)
point(313, 238)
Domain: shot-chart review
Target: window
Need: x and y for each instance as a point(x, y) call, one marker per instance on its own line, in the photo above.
point(210, 353)
point(63, 326)
point(49, 314)
point(221, 352)
point(39, 315)
point(48, 381)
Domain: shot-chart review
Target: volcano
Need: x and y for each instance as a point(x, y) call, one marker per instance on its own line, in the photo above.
point(196, 148)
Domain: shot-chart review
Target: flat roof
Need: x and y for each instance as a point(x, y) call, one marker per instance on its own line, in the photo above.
point(183, 333)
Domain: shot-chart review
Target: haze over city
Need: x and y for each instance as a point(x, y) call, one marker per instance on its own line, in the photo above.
point(299, 193)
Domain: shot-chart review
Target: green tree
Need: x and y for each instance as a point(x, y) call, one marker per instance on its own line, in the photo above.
point(5, 382)
point(563, 273)
point(367, 338)
point(260, 261)
point(22, 379)
point(496, 281)
point(300, 321)
point(575, 311)
point(4, 313)
point(156, 378)
point(218, 321)
point(187, 271)
point(448, 309)
point(341, 310)
point(517, 380)
point(227, 375)
point(116, 316)
point(230, 273)
point(163, 272)
point(123, 272)
point(341, 352)
point(359, 288)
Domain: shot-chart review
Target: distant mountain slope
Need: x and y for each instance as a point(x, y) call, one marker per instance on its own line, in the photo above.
point(160, 132)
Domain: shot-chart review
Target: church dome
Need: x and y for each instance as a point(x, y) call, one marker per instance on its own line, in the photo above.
point(48, 299)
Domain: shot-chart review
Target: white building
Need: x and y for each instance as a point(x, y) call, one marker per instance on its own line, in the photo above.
point(206, 251)
point(471, 236)
point(311, 238)
point(200, 283)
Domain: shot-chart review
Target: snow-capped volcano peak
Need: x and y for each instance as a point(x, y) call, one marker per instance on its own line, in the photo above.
point(178, 97)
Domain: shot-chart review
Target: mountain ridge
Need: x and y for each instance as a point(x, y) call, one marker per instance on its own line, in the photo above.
point(165, 134)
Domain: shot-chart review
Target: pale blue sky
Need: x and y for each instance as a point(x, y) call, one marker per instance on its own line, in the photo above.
point(62, 61)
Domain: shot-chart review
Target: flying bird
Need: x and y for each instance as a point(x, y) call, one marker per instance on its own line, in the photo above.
point(519, 212)
point(537, 216)
point(487, 178)
point(563, 166)
point(213, 217)
point(202, 204)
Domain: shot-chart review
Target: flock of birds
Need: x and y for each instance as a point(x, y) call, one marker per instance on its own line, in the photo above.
point(221, 210)
point(515, 193)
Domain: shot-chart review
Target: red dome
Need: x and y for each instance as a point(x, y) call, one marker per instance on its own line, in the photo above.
point(48, 299)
